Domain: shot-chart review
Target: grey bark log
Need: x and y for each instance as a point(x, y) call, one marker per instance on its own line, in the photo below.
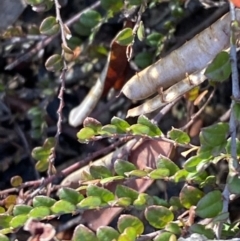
point(10, 10)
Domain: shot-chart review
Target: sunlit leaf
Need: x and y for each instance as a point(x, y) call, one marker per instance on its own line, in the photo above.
point(158, 216)
point(125, 36)
point(104, 194)
point(189, 196)
point(82, 233)
point(126, 221)
point(141, 31)
point(85, 134)
point(90, 202)
point(179, 136)
point(62, 206)
point(121, 167)
point(18, 220)
point(106, 233)
point(164, 162)
point(39, 212)
point(21, 209)
point(16, 181)
point(154, 130)
point(121, 124)
point(43, 201)
point(124, 191)
point(5, 220)
point(70, 195)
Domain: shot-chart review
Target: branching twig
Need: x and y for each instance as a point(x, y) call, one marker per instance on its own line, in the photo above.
point(199, 111)
point(49, 39)
point(233, 162)
point(78, 163)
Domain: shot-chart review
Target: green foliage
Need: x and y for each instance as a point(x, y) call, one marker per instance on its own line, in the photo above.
point(49, 26)
point(220, 68)
point(125, 37)
point(92, 191)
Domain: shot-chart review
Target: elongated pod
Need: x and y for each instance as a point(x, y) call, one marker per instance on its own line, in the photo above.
point(191, 57)
point(79, 113)
point(171, 94)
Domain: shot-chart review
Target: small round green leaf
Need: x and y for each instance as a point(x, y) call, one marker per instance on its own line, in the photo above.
point(16, 181)
point(39, 212)
point(234, 184)
point(5, 220)
point(104, 194)
point(136, 173)
point(124, 191)
point(213, 138)
point(138, 129)
point(112, 5)
point(49, 26)
point(165, 236)
point(90, 18)
point(90, 202)
point(109, 130)
point(158, 216)
point(70, 195)
point(173, 228)
point(142, 201)
point(99, 172)
point(141, 31)
point(126, 221)
point(154, 39)
point(220, 68)
point(43, 201)
point(125, 37)
point(3, 237)
point(121, 202)
point(210, 205)
point(159, 173)
point(121, 167)
point(154, 130)
point(189, 196)
point(164, 162)
point(21, 209)
point(179, 136)
point(85, 134)
point(129, 234)
point(82, 233)
point(62, 206)
point(121, 124)
point(111, 179)
point(143, 59)
point(18, 220)
point(106, 233)
point(54, 63)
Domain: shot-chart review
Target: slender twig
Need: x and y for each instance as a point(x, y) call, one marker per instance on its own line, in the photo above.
point(233, 162)
point(135, 29)
point(78, 163)
point(52, 156)
point(192, 118)
point(48, 40)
